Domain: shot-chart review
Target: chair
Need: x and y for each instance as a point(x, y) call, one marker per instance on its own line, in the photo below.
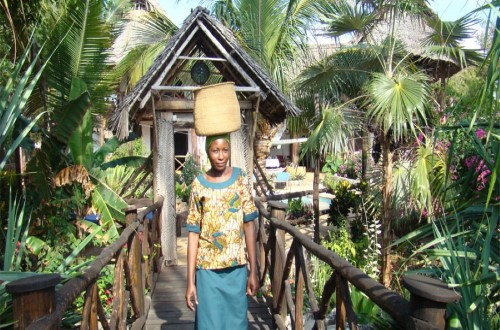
point(281, 180)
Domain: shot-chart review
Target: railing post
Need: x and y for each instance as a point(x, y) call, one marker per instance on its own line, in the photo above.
point(299, 291)
point(32, 298)
point(278, 211)
point(340, 303)
point(135, 265)
point(428, 301)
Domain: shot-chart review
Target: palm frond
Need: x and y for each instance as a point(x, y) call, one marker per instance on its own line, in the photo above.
point(344, 18)
point(330, 133)
point(83, 53)
point(397, 101)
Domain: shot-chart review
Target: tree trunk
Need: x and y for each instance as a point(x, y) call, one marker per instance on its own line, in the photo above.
point(295, 150)
point(263, 141)
point(386, 211)
point(316, 201)
point(365, 142)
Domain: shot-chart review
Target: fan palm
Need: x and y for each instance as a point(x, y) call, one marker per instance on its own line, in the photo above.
point(443, 51)
point(396, 101)
point(378, 71)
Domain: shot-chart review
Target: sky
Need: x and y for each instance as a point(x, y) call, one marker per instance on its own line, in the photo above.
point(448, 10)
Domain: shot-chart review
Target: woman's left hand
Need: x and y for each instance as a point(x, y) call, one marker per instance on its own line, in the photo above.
point(252, 284)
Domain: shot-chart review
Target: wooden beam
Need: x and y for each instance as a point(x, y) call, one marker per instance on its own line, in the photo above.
point(167, 68)
point(177, 54)
point(194, 88)
point(199, 58)
point(229, 57)
point(188, 105)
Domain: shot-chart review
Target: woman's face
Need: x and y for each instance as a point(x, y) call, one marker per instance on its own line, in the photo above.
point(219, 154)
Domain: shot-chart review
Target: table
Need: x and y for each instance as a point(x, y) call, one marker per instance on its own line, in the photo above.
point(272, 162)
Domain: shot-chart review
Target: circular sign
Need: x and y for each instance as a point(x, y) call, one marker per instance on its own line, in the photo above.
point(200, 72)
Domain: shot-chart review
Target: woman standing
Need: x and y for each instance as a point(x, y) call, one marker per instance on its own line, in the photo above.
point(220, 222)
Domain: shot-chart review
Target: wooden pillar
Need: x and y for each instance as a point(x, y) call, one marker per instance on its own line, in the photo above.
point(32, 298)
point(278, 211)
point(428, 301)
point(164, 170)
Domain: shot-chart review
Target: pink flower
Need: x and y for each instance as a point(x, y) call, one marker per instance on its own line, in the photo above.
point(480, 133)
point(442, 120)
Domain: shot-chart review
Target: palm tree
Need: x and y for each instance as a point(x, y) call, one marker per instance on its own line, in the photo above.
point(143, 36)
point(443, 53)
point(380, 73)
point(75, 86)
point(397, 99)
point(329, 135)
point(274, 32)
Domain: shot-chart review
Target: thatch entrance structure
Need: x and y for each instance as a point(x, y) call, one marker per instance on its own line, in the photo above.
point(164, 98)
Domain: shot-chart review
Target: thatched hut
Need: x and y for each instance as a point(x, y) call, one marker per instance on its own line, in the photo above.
point(202, 51)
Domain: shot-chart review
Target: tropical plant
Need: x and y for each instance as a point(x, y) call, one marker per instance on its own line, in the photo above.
point(275, 33)
point(13, 98)
point(15, 237)
point(379, 71)
point(143, 37)
point(444, 42)
point(464, 241)
point(345, 201)
point(329, 135)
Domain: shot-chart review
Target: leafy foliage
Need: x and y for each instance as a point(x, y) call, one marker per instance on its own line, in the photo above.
point(189, 172)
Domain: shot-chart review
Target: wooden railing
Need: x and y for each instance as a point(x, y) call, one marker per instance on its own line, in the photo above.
point(135, 260)
point(426, 311)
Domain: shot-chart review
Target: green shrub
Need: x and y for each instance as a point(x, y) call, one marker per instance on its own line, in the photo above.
point(189, 172)
point(345, 200)
point(297, 209)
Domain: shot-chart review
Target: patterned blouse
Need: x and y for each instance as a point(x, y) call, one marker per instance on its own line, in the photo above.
point(217, 210)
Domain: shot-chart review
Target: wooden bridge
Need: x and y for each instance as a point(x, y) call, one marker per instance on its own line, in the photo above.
point(136, 260)
point(168, 306)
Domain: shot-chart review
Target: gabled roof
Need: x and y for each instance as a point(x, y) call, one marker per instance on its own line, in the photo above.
point(202, 32)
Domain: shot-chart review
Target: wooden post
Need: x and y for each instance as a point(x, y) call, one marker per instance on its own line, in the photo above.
point(278, 211)
point(146, 253)
point(340, 315)
point(156, 242)
point(89, 314)
point(164, 177)
point(299, 292)
point(428, 301)
point(32, 298)
point(135, 266)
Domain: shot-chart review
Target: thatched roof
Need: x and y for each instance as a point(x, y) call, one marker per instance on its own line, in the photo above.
point(202, 33)
point(412, 33)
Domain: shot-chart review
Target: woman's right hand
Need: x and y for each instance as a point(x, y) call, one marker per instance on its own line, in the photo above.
point(191, 296)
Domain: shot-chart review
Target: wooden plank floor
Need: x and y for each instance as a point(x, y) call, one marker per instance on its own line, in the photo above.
point(168, 308)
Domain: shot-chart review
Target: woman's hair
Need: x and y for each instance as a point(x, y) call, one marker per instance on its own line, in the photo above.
point(212, 138)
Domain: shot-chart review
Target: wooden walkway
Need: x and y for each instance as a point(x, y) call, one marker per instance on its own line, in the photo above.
point(168, 307)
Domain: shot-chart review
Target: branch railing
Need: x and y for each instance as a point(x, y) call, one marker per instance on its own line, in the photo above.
point(135, 259)
point(277, 264)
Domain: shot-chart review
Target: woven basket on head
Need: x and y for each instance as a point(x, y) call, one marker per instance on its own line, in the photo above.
point(216, 109)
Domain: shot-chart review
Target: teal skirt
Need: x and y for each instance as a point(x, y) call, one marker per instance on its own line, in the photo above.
point(222, 300)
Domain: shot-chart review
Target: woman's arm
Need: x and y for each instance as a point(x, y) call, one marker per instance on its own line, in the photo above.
point(192, 251)
point(253, 281)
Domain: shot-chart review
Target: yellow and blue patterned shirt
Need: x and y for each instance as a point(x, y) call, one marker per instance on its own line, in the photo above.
point(217, 211)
